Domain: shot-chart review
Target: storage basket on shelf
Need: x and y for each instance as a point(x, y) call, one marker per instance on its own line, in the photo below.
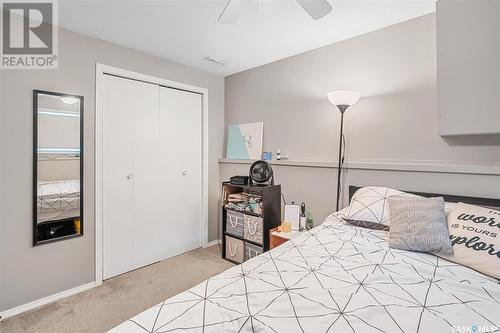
point(235, 249)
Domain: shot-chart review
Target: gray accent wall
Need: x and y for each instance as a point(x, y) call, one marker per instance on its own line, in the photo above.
point(396, 119)
point(394, 123)
point(29, 273)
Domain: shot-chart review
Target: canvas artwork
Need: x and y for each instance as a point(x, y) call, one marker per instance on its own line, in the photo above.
point(244, 141)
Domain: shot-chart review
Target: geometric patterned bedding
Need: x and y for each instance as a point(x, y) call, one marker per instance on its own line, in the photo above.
point(58, 195)
point(333, 278)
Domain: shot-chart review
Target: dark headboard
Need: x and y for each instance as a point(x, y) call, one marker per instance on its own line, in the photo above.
point(486, 202)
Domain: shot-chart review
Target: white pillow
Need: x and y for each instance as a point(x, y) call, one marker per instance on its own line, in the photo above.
point(370, 204)
point(475, 236)
point(449, 207)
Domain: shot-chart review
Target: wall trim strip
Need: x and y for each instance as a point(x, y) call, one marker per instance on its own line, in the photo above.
point(46, 300)
point(411, 166)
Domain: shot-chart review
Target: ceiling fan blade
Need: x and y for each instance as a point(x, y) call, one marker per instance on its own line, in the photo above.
point(316, 8)
point(231, 11)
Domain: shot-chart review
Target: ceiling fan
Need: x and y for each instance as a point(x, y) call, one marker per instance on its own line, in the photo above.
point(315, 8)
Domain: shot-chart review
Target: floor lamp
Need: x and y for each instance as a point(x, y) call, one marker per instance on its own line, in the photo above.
point(342, 99)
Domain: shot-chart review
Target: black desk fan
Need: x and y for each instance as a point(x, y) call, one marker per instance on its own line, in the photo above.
point(261, 174)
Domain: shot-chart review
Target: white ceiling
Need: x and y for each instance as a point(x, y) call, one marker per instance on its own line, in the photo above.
point(187, 31)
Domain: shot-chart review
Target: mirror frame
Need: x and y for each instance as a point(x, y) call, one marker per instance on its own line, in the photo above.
point(36, 93)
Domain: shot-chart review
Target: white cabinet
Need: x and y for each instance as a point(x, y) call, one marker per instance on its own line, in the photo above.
point(152, 148)
point(468, 67)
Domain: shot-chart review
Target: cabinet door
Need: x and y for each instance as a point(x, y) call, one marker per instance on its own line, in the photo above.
point(181, 142)
point(130, 170)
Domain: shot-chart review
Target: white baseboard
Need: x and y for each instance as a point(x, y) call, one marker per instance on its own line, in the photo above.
point(46, 300)
point(212, 243)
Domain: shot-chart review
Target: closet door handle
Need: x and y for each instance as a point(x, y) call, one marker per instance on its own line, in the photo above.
point(130, 176)
point(184, 173)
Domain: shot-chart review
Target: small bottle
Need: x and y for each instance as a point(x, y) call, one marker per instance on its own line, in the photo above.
point(309, 222)
point(303, 219)
point(278, 155)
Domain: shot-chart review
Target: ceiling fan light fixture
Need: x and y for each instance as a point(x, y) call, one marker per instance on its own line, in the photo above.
point(316, 8)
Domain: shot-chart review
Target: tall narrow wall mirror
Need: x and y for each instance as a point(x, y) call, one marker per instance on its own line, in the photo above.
point(57, 166)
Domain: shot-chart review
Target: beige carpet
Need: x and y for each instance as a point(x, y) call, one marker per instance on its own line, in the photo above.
point(119, 298)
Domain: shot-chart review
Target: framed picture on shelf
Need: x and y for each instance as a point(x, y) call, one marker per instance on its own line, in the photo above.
point(244, 141)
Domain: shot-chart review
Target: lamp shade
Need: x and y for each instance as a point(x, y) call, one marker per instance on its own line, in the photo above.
point(343, 97)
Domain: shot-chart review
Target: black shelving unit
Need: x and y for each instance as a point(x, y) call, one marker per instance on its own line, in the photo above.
point(271, 211)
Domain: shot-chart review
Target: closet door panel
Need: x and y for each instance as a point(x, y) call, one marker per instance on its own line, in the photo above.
point(181, 137)
point(148, 192)
point(152, 146)
point(118, 223)
point(170, 163)
point(191, 160)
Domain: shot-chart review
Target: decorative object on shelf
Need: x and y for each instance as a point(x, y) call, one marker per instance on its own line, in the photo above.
point(244, 141)
point(342, 99)
point(302, 219)
point(281, 157)
point(239, 180)
point(309, 221)
point(292, 215)
point(261, 173)
point(267, 156)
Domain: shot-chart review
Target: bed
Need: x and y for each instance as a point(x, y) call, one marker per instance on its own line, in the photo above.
point(333, 278)
point(58, 199)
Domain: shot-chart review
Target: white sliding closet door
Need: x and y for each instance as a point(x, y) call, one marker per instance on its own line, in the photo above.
point(118, 160)
point(181, 132)
point(149, 229)
point(132, 221)
point(152, 173)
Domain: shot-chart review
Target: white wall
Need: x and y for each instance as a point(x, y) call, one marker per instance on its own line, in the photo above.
point(29, 273)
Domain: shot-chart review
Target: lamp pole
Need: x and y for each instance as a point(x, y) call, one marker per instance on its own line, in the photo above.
point(342, 108)
point(342, 99)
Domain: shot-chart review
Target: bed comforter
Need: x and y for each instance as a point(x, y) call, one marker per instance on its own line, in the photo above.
point(334, 278)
